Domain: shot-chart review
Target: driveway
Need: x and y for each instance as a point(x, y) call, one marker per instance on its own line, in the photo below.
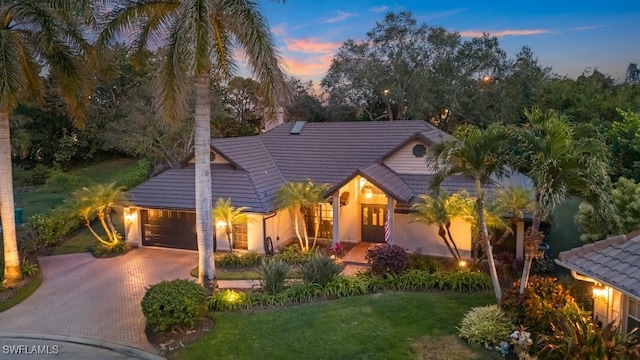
point(97, 298)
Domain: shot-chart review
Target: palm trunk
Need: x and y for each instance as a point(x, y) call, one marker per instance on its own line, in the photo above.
point(106, 227)
point(230, 238)
point(87, 223)
point(304, 229)
point(297, 229)
point(111, 227)
point(202, 152)
point(12, 273)
point(443, 234)
point(528, 259)
point(455, 247)
point(484, 237)
point(316, 228)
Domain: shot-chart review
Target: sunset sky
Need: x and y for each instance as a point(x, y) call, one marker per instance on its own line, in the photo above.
point(565, 35)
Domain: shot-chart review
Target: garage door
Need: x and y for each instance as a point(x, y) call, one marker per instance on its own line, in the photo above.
point(174, 229)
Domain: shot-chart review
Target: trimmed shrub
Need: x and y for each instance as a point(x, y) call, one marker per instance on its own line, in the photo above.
point(320, 269)
point(273, 274)
point(53, 225)
point(231, 260)
point(422, 262)
point(29, 243)
point(138, 174)
point(174, 305)
point(487, 326)
point(387, 258)
point(60, 181)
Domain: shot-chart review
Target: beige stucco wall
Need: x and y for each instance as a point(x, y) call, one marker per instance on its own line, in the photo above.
point(609, 307)
point(413, 235)
point(402, 161)
point(132, 227)
point(280, 226)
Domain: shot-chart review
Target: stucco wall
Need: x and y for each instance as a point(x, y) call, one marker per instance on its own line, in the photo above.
point(413, 235)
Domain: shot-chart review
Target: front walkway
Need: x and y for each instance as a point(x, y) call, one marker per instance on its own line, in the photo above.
point(96, 298)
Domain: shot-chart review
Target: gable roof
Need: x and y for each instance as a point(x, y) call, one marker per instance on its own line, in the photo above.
point(331, 153)
point(614, 262)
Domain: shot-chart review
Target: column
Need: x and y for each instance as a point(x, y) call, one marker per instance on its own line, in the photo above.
point(336, 218)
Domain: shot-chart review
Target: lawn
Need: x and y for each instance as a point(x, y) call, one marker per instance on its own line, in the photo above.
point(392, 325)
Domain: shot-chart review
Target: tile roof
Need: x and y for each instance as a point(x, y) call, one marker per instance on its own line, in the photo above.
point(331, 153)
point(614, 262)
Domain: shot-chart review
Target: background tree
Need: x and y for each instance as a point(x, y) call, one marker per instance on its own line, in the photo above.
point(478, 154)
point(623, 139)
point(199, 41)
point(632, 74)
point(32, 34)
point(561, 160)
point(304, 105)
point(231, 216)
point(298, 196)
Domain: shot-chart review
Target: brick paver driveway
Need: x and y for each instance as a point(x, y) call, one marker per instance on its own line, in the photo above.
point(100, 298)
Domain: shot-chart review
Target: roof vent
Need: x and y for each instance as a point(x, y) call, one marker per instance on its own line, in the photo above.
point(297, 127)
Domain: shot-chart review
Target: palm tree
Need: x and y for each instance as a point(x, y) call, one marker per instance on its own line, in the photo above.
point(99, 201)
point(478, 154)
point(439, 210)
point(513, 200)
point(199, 40)
point(561, 160)
point(225, 212)
point(298, 196)
point(33, 34)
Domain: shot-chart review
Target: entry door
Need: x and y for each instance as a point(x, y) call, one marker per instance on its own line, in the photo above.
point(373, 218)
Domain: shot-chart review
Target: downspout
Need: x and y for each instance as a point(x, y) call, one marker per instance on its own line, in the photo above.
point(264, 233)
point(582, 277)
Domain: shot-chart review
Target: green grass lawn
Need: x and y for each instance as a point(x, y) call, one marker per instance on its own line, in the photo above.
point(392, 325)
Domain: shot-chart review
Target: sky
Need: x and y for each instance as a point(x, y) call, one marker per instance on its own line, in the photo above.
point(568, 36)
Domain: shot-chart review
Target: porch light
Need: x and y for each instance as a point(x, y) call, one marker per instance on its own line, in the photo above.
point(600, 292)
point(221, 224)
point(367, 192)
point(362, 182)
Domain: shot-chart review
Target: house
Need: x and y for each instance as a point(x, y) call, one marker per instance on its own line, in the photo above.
point(613, 265)
point(375, 171)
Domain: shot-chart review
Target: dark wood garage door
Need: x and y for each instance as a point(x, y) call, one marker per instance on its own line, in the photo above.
point(174, 229)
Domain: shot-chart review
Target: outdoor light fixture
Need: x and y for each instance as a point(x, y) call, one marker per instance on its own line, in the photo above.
point(221, 224)
point(600, 292)
point(362, 182)
point(367, 191)
point(130, 216)
point(462, 263)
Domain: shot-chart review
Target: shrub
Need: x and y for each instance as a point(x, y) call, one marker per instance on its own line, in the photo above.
point(583, 339)
point(229, 300)
point(29, 243)
point(320, 269)
point(422, 262)
point(416, 280)
point(468, 281)
point(542, 266)
point(387, 258)
point(231, 260)
point(544, 299)
point(343, 286)
point(103, 250)
point(53, 225)
point(60, 181)
point(138, 174)
point(292, 255)
point(487, 325)
point(302, 292)
point(174, 305)
point(273, 274)
point(29, 269)
point(35, 176)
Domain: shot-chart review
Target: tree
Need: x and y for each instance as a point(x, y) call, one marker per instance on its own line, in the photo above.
point(99, 201)
point(34, 33)
point(440, 210)
point(633, 74)
point(623, 139)
point(298, 196)
point(478, 154)
point(514, 201)
point(561, 160)
point(199, 40)
point(225, 212)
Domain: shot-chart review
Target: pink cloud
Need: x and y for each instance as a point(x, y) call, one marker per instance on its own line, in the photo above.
point(279, 30)
point(311, 45)
point(588, 27)
point(340, 17)
point(311, 66)
point(502, 33)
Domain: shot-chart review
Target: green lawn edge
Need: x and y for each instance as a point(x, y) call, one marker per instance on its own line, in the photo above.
point(22, 294)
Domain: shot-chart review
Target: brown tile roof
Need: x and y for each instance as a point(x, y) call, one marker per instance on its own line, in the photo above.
point(614, 261)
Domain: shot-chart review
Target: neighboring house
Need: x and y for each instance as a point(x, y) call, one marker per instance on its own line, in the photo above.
point(613, 265)
point(373, 169)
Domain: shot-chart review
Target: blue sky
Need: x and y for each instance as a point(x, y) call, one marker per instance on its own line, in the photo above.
point(565, 35)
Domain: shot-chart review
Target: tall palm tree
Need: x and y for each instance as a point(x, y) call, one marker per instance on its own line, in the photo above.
point(298, 196)
point(561, 160)
point(478, 154)
point(439, 210)
point(231, 216)
point(199, 39)
point(34, 34)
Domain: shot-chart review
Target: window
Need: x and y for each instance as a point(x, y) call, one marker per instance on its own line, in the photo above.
point(320, 215)
point(240, 238)
point(419, 151)
point(633, 314)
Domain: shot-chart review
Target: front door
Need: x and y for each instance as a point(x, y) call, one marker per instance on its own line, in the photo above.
point(373, 218)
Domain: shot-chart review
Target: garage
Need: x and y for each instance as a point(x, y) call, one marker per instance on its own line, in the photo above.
point(174, 229)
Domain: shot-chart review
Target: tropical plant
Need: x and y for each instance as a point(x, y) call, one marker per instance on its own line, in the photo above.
point(478, 154)
point(514, 201)
point(231, 216)
point(99, 201)
point(320, 269)
point(273, 274)
point(387, 259)
point(440, 210)
point(33, 34)
point(487, 326)
point(298, 196)
point(198, 41)
point(561, 160)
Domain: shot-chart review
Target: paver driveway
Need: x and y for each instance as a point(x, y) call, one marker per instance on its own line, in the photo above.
point(99, 298)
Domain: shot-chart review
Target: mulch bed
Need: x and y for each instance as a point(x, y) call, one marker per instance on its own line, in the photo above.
point(168, 342)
